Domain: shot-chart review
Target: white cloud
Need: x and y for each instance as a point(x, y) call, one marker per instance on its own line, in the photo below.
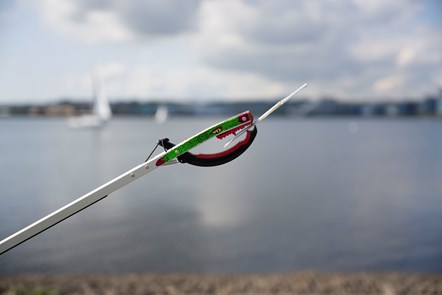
point(203, 82)
point(406, 56)
point(350, 48)
point(388, 84)
point(111, 70)
point(96, 26)
point(344, 48)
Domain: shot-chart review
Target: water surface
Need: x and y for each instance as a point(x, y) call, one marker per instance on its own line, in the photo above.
point(336, 194)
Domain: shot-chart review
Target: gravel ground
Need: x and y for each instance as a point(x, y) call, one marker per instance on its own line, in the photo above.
point(297, 283)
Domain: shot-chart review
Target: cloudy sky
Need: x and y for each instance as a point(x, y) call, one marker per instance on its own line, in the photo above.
point(228, 49)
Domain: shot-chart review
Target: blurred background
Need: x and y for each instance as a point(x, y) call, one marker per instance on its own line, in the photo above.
point(345, 177)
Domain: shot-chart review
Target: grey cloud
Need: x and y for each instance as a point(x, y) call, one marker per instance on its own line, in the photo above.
point(161, 17)
point(292, 65)
point(310, 40)
point(281, 22)
point(278, 33)
point(286, 40)
point(292, 40)
point(145, 18)
point(290, 22)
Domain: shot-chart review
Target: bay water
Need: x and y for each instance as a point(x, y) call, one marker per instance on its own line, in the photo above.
point(316, 194)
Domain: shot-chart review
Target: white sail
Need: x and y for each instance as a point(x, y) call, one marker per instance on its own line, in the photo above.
point(101, 107)
point(101, 111)
point(161, 114)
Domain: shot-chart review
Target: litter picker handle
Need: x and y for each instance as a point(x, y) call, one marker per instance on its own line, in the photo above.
point(210, 160)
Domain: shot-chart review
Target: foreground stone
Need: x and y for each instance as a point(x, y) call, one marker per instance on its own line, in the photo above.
point(297, 283)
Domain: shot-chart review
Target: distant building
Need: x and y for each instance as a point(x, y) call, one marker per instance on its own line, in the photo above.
point(4, 111)
point(326, 107)
point(54, 110)
point(392, 110)
point(408, 108)
point(373, 110)
point(428, 107)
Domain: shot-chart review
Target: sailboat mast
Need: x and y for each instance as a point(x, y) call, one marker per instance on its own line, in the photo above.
point(101, 107)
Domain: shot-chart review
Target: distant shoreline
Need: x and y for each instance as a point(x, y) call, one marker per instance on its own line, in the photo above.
point(307, 118)
point(296, 283)
point(328, 107)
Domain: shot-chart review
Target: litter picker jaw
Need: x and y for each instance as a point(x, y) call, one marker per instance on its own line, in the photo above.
point(267, 113)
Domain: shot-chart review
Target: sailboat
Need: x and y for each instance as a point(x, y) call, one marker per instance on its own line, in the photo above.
point(101, 111)
point(161, 114)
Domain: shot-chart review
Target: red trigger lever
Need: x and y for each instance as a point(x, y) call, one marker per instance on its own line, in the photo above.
point(210, 160)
